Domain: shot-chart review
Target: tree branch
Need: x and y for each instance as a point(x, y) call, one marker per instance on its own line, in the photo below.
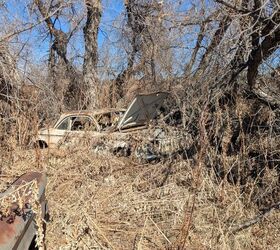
point(256, 219)
point(31, 26)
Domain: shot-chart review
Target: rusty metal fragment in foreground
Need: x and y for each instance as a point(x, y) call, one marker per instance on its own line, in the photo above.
point(17, 217)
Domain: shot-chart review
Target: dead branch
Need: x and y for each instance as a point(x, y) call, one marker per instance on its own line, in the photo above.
point(256, 219)
point(31, 26)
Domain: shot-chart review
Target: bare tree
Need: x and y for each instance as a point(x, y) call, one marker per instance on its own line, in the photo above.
point(137, 25)
point(143, 26)
point(262, 32)
point(66, 79)
point(215, 41)
point(91, 56)
point(6, 76)
point(265, 37)
point(57, 65)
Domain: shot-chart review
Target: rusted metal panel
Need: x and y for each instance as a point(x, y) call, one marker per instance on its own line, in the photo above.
point(18, 229)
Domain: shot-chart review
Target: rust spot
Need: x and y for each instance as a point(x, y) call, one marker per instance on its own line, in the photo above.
point(12, 227)
point(7, 230)
point(27, 178)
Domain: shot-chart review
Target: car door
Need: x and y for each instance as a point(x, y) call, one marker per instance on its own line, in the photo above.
point(56, 135)
point(81, 130)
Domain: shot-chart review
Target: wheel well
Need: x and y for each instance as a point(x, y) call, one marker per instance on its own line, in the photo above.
point(41, 144)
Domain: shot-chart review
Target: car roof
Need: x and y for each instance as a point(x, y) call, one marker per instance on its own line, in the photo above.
point(93, 112)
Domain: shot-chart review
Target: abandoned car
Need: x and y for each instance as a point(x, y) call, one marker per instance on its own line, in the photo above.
point(18, 227)
point(142, 129)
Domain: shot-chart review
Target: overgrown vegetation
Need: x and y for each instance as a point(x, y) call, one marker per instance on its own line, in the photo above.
point(220, 62)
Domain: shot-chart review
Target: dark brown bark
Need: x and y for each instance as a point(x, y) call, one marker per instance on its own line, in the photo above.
point(60, 38)
point(91, 54)
point(136, 23)
point(265, 40)
point(200, 37)
point(60, 71)
point(216, 40)
point(261, 53)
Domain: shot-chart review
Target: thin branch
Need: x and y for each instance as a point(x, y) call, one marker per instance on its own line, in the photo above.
point(256, 219)
point(243, 11)
point(31, 26)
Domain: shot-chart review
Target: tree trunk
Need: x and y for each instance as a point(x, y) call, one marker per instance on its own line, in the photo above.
point(134, 24)
point(189, 66)
point(91, 54)
point(59, 67)
point(216, 40)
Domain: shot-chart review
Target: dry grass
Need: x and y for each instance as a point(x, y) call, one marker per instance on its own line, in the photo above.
point(104, 202)
point(99, 202)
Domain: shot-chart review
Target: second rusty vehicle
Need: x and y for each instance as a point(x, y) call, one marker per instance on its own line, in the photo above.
point(18, 215)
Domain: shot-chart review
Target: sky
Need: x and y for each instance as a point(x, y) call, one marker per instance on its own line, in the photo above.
point(37, 41)
point(17, 11)
point(34, 44)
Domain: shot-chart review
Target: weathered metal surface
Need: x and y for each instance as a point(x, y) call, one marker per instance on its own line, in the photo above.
point(18, 229)
point(142, 109)
point(143, 129)
point(55, 136)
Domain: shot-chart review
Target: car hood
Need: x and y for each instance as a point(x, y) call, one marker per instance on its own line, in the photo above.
point(143, 108)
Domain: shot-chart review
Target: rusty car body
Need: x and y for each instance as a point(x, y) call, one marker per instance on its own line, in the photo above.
point(71, 126)
point(18, 227)
point(119, 130)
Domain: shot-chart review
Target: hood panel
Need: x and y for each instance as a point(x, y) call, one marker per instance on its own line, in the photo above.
point(142, 109)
